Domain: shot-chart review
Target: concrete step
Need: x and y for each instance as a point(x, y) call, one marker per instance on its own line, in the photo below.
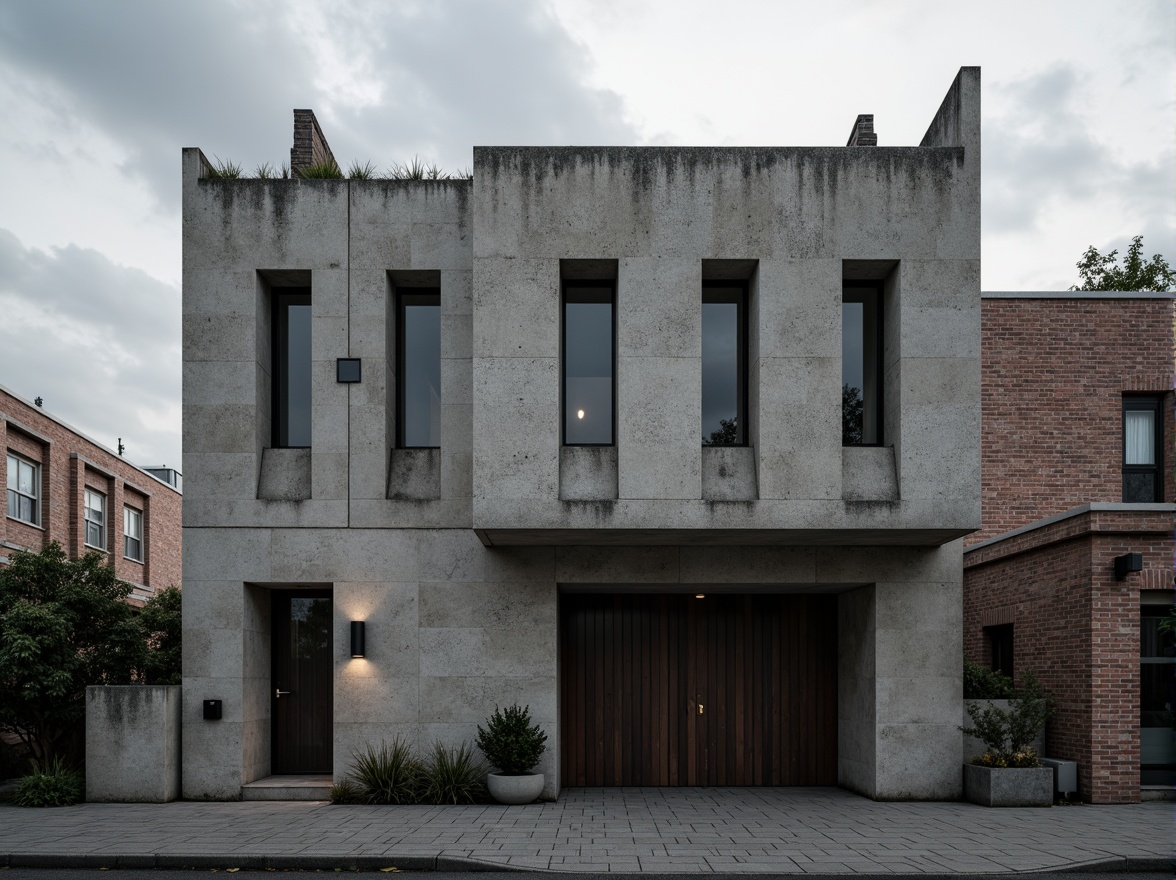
point(288, 788)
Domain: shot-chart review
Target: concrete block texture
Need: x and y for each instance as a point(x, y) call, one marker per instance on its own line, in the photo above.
point(728, 473)
point(133, 743)
point(414, 475)
point(587, 473)
point(285, 475)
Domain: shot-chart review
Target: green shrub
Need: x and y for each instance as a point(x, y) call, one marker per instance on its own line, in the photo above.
point(510, 742)
point(225, 170)
point(454, 776)
point(328, 170)
point(58, 786)
point(347, 791)
point(1008, 733)
point(390, 774)
point(162, 626)
point(366, 171)
point(982, 683)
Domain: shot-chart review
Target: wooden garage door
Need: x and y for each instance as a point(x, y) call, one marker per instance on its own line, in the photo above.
point(672, 690)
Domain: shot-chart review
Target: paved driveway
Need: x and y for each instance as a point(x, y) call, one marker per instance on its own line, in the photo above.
point(813, 830)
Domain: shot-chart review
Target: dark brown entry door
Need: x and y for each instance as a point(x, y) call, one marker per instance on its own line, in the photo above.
point(672, 690)
point(302, 691)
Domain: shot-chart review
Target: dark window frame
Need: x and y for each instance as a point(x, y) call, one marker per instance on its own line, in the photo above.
point(742, 352)
point(1154, 404)
point(283, 298)
point(611, 299)
point(877, 287)
point(409, 296)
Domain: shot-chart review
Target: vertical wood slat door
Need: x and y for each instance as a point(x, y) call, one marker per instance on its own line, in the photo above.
point(635, 669)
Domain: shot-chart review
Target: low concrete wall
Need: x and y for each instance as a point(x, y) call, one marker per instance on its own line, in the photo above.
point(133, 743)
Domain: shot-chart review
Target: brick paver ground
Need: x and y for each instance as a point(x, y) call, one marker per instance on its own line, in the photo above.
point(814, 830)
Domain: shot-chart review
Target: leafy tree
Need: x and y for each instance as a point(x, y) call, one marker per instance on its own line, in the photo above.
point(851, 416)
point(161, 628)
point(64, 624)
point(727, 435)
point(1100, 272)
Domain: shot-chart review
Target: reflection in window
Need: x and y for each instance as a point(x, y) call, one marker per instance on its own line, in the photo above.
point(24, 490)
point(1141, 449)
point(94, 514)
point(291, 376)
point(724, 366)
point(420, 368)
point(588, 364)
point(861, 366)
point(133, 534)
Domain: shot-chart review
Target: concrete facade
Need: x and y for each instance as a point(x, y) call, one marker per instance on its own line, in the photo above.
point(133, 743)
point(456, 557)
point(1056, 370)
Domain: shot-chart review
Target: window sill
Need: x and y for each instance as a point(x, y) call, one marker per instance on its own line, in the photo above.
point(25, 522)
point(133, 559)
point(92, 547)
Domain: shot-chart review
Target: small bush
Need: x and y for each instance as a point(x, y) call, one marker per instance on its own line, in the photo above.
point(390, 774)
point(982, 683)
point(346, 791)
point(266, 171)
point(454, 776)
point(225, 170)
point(1027, 758)
point(1008, 733)
point(366, 171)
point(510, 742)
point(58, 786)
point(328, 170)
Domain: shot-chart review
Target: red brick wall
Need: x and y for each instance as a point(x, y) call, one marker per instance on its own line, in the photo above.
point(70, 462)
point(1077, 629)
point(1053, 376)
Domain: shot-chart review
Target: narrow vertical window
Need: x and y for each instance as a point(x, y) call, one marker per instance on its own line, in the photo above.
point(724, 365)
point(1000, 641)
point(861, 365)
point(133, 534)
point(420, 368)
point(95, 519)
point(588, 345)
point(291, 368)
point(1142, 449)
point(24, 490)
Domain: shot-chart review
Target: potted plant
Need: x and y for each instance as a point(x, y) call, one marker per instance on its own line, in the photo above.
point(512, 744)
point(1009, 773)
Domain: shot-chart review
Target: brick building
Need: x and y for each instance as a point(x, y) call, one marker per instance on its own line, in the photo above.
point(1077, 451)
point(62, 486)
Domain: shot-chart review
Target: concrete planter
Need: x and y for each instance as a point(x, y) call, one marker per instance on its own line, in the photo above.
point(515, 789)
point(1008, 786)
point(133, 743)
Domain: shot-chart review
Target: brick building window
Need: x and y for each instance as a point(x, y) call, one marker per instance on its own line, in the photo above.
point(589, 335)
point(1000, 647)
point(861, 364)
point(24, 490)
point(1142, 449)
point(724, 364)
point(133, 534)
point(419, 326)
point(95, 518)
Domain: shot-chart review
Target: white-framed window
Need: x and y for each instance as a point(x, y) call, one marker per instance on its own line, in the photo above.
point(24, 490)
point(133, 534)
point(95, 516)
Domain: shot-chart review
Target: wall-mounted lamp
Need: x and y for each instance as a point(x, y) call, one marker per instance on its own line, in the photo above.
point(357, 638)
point(347, 370)
point(700, 595)
point(1127, 563)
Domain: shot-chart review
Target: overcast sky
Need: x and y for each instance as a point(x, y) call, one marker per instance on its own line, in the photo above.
point(97, 99)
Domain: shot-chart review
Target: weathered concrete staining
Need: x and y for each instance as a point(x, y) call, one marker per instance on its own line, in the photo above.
point(454, 626)
point(133, 743)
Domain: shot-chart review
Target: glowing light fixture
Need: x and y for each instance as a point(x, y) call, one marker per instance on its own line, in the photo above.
point(579, 413)
point(700, 595)
point(357, 638)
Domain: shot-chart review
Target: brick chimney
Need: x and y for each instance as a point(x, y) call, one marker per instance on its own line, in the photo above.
point(310, 146)
point(863, 132)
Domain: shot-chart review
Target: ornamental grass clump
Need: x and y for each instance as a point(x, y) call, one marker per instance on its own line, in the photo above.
point(390, 774)
point(454, 776)
point(328, 170)
point(1007, 734)
point(56, 786)
point(510, 742)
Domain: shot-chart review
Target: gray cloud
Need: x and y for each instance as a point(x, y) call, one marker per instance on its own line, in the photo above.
point(100, 342)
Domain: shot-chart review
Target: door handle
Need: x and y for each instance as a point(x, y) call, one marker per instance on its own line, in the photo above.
point(700, 708)
point(278, 692)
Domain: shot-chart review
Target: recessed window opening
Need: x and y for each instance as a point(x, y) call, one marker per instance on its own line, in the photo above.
point(861, 365)
point(419, 386)
point(291, 374)
point(589, 390)
point(24, 490)
point(1000, 644)
point(1142, 449)
point(94, 514)
point(133, 534)
point(724, 364)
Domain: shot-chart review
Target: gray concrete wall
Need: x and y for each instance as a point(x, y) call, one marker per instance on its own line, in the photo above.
point(133, 743)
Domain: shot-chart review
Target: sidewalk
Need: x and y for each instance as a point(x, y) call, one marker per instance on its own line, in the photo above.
point(779, 830)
